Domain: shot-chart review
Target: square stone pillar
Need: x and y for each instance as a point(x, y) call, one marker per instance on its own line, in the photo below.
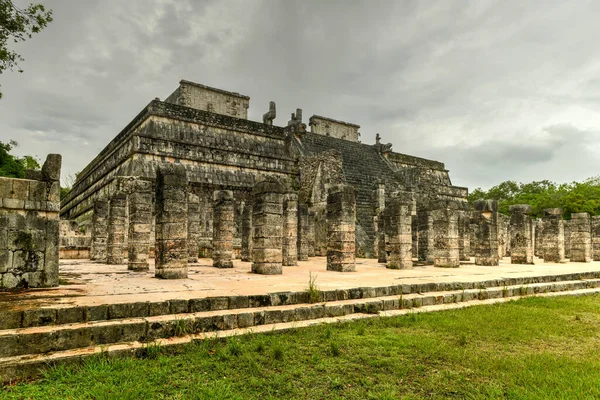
point(341, 229)
point(425, 235)
point(581, 237)
point(290, 229)
point(445, 236)
point(117, 218)
point(171, 222)
point(267, 223)
point(98, 251)
point(567, 232)
point(303, 232)
point(140, 225)
point(486, 233)
point(464, 235)
point(595, 228)
point(223, 225)
point(521, 228)
point(398, 229)
point(311, 233)
point(193, 227)
point(247, 232)
point(382, 238)
point(538, 248)
point(554, 235)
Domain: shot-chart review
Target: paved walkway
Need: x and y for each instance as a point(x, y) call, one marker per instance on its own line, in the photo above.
point(88, 283)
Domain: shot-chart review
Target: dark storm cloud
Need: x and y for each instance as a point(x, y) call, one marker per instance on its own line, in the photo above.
point(494, 89)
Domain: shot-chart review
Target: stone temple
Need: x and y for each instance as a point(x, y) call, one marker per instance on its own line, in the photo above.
point(207, 131)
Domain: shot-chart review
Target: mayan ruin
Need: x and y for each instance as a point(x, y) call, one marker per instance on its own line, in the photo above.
point(299, 200)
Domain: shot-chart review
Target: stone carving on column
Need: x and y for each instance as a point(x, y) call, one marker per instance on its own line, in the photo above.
point(554, 235)
point(267, 224)
point(223, 211)
point(341, 230)
point(521, 230)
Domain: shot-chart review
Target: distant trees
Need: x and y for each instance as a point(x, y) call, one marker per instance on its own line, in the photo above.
point(571, 197)
point(13, 166)
point(16, 25)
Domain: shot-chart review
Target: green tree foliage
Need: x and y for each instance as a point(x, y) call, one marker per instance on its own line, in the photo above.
point(13, 166)
point(17, 25)
point(571, 197)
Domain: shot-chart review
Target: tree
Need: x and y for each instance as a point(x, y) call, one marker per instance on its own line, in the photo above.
point(17, 25)
point(12, 166)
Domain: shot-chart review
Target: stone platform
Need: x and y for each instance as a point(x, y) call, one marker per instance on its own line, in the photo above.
point(105, 308)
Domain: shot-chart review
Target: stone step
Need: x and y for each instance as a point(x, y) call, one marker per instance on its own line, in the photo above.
point(26, 315)
point(44, 339)
point(30, 365)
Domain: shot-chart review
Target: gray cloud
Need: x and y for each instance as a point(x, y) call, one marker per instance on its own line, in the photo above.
point(495, 89)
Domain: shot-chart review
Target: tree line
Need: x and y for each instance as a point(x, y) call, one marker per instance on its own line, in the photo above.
point(572, 197)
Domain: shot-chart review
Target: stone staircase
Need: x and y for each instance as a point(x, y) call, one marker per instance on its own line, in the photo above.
point(363, 168)
point(32, 339)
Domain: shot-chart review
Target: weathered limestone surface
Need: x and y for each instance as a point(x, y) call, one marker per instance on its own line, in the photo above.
point(581, 239)
point(567, 232)
point(595, 228)
point(464, 235)
point(117, 219)
point(425, 224)
point(538, 249)
point(267, 223)
point(290, 229)
point(99, 230)
point(331, 127)
point(311, 233)
point(341, 230)
point(303, 232)
point(140, 225)
point(247, 232)
point(171, 222)
point(29, 228)
point(486, 232)
point(554, 236)
point(382, 238)
point(521, 229)
point(445, 236)
point(75, 242)
point(398, 228)
point(223, 211)
point(193, 227)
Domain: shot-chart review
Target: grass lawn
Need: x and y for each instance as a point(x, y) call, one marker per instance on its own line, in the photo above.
point(535, 348)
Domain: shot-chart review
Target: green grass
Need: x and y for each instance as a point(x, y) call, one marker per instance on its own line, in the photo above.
point(534, 348)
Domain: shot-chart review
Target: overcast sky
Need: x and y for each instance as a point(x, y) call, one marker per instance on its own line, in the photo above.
point(496, 90)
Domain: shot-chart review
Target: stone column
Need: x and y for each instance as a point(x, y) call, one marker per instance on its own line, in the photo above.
point(193, 227)
point(521, 229)
point(341, 229)
point(267, 223)
point(567, 232)
point(581, 239)
point(423, 217)
point(171, 222)
point(223, 210)
point(290, 229)
point(117, 216)
point(99, 231)
point(464, 236)
point(445, 236)
point(140, 225)
point(311, 233)
point(303, 232)
point(398, 229)
point(247, 232)
point(554, 235)
point(538, 248)
point(595, 228)
point(486, 233)
point(382, 238)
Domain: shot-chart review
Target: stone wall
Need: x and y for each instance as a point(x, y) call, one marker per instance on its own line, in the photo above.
point(74, 243)
point(206, 98)
point(334, 128)
point(29, 228)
